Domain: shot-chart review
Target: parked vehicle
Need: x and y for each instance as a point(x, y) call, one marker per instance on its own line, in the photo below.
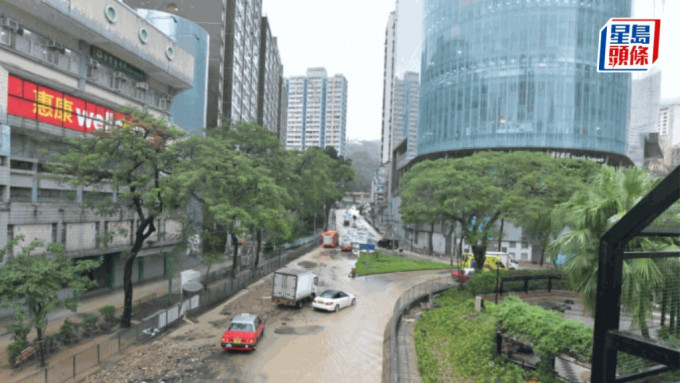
point(345, 243)
point(294, 287)
point(462, 275)
point(508, 260)
point(490, 263)
point(388, 243)
point(329, 238)
point(333, 300)
point(243, 333)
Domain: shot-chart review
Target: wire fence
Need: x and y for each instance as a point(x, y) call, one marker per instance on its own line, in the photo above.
point(650, 309)
point(414, 294)
point(150, 327)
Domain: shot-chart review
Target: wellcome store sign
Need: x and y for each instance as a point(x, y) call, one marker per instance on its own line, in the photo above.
point(36, 102)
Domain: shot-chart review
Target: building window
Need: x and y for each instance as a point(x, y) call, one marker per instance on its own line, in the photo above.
point(5, 36)
point(525, 245)
point(117, 80)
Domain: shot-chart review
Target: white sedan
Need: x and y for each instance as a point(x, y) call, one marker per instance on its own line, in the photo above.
point(333, 300)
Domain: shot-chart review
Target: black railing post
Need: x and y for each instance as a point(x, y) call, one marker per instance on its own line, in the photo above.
point(526, 285)
point(607, 311)
point(549, 284)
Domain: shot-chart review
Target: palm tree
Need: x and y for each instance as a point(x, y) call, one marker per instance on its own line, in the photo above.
point(588, 214)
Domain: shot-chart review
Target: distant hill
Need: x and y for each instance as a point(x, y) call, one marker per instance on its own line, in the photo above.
point(365, 156)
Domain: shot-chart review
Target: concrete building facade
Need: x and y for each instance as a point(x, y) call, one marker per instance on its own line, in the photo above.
point(669, 131)
point(65, 67)
point(405, 112)
point(234, 69)
point(317, 111)
point(388, 81)
point(336, 114)
point(269, 108)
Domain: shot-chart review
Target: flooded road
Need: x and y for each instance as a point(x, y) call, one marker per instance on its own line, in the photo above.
point(309, 346)
point(299, 345)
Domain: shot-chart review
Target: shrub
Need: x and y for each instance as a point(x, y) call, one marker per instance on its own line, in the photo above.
point(547, 330)
point(109, 314)
point(90, 324)
point(14, 349)
point(68, 331)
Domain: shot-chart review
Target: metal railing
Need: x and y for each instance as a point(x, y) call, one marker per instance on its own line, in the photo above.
point(404, 302)
point(150, 327)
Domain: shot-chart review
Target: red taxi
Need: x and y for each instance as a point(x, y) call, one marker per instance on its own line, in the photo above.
point(243, 333)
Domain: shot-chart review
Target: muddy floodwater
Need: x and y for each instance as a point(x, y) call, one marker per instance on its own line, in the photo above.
point(299, 345)
point(311, 346)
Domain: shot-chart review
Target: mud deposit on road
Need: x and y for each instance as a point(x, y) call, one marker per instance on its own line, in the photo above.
point(307, 264)
point(304, 330)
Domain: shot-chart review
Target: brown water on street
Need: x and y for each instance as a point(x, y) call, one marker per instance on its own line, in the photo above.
point(299, 345)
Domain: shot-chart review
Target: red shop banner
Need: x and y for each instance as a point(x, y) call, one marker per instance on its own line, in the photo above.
point(37, 102)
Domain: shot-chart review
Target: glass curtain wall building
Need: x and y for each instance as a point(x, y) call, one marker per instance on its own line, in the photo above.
point(521, 74)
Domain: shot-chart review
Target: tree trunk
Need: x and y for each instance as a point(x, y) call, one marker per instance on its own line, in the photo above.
point(459, 249)
point(480, 256)
point(430, 245)
point(449, 244)
point(234, 264)
point(664, 305)
point(140, 236)
point(41, 346)
point(644, 329)
point(500, 236)
point(542, 256)
point(257, 249)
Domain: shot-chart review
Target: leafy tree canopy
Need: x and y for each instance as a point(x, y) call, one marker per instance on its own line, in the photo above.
point(29, 283)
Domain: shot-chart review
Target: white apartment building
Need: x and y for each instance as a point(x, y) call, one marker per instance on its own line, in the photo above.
point(317, 111)
point(336, 114)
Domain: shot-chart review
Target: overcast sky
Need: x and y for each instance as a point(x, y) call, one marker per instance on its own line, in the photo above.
point(347, 37)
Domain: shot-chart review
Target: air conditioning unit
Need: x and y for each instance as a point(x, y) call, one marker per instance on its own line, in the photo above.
point(11, 24)
point(56, 45)
point(119, 75)
point(142, 85)
point(92, 63)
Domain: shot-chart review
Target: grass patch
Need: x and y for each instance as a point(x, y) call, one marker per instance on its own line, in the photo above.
point(378, 263)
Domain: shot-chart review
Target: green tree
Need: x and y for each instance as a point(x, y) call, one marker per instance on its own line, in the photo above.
point(231, 173)
point(587, 215)
point(319, 179)
point(29, 283)
point(555, 184)
point(420, 197)
point(476, 191)
point(133, 160)
point(269, 204)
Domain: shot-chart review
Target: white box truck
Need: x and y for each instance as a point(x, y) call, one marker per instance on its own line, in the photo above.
point(294, 287)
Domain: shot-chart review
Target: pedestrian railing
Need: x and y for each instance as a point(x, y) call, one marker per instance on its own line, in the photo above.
point(150, 327)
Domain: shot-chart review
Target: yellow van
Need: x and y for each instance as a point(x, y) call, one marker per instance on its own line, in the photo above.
point(491, 262)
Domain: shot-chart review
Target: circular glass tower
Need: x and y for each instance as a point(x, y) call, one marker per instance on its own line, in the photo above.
point(520, 74)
